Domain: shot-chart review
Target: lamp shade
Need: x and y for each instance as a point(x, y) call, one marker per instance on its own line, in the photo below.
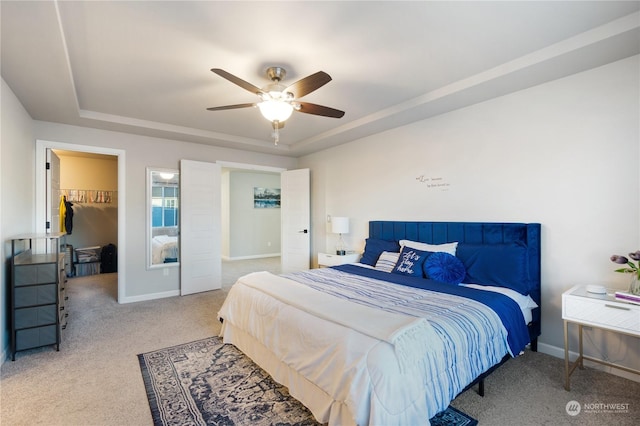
point(340, 225)
point(275, 110)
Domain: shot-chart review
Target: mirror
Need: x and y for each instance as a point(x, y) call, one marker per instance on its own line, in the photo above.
point(163, 218)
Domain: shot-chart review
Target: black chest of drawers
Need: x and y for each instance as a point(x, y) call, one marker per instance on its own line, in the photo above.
point(38, 292)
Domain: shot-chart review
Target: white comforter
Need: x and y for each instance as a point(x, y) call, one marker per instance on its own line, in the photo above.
point(348, 363)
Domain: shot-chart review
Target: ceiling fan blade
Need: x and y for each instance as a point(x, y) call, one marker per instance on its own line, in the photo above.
point(220, 108)
point(324, 111)
point(308, 84)
point(236, 80)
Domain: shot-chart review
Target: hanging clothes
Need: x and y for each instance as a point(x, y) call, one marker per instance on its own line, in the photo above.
point(68, 217)
point(63, 211)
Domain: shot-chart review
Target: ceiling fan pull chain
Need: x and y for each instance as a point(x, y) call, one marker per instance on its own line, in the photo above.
point(276, 132)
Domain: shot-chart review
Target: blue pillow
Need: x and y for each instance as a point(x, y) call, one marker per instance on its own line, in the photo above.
point(503, 265)
point(410, 262)
point(373, 249)
point(445, 267)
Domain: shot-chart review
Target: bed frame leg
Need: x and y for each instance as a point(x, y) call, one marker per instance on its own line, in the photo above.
point(481, 387)
point(534, 345)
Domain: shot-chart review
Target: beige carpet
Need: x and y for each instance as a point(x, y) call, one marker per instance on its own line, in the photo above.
point(95, 378)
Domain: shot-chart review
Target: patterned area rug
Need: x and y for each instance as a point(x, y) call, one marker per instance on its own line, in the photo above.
point(208, 383)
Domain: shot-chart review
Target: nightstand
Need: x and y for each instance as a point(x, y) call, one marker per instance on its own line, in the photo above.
point(325, 259)
point(596, 310)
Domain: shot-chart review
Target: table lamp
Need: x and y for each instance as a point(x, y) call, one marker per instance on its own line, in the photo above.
point(340, 225)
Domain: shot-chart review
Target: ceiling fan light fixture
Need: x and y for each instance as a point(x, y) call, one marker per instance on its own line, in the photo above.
point(277, 101)
point(275, 110)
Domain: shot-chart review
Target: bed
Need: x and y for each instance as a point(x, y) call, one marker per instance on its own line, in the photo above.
point(164, 249)
point(362, 344)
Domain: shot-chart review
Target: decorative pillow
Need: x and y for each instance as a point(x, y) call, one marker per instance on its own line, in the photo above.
point(444, 267)
point(373, 249)
point(434, 248)
point(387, 261)
point(502, 265)
point(410, 262)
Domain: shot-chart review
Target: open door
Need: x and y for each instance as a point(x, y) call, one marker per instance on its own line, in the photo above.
point(200, 227)
point(52, 192)
point(296, 219)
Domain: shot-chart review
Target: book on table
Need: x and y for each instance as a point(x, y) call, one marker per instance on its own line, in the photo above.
point(627, 297)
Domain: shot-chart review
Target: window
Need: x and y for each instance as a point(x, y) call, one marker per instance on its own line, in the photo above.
point(164, 205)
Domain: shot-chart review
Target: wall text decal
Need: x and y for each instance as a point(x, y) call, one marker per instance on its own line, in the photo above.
point(434, 182)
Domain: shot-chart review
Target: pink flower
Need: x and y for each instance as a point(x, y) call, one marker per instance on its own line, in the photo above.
point(632, 267)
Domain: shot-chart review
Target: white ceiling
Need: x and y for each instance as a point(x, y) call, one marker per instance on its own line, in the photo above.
point(143, 67)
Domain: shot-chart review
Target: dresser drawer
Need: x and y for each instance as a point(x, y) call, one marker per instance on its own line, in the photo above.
point(35, 295)
point(35, 337)
point(326, 259)
point(35, 274)
point(33, 317)
point(617, 316)
point(62, 298)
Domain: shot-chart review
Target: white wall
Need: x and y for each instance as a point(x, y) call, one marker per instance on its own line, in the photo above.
point(17, 177)
point(565, 154)
point(253, 232)
point(224, 216)
point(143, 152)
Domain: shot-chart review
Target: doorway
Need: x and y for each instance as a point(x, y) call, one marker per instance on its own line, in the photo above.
point(251, 231)
point(88, 183)
point(88, 151)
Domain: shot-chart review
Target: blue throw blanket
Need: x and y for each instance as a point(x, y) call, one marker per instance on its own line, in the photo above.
point(506, 308)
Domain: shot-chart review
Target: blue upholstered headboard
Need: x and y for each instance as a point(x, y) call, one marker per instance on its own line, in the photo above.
point(527, 234)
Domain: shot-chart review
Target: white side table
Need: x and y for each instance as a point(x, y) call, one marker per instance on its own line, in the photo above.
point(596, 310)
point(326, 259)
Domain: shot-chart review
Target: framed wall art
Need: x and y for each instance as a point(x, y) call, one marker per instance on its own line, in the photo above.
point(266, 198)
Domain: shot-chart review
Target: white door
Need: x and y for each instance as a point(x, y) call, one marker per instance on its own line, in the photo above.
point(200, 223)
point(296, 218)
point(53, 192)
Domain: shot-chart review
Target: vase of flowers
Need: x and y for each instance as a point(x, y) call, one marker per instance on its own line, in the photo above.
point(633, 269)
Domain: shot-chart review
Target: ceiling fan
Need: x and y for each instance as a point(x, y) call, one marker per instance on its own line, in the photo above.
point(277, 102)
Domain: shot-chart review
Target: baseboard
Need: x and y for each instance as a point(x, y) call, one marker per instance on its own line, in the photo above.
point(553, 350)
point(257, 256)
point(152, 296)
point(559, 353)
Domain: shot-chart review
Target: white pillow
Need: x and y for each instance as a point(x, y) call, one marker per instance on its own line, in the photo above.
point(526, 303)
point(447, 248)
point(387, 261)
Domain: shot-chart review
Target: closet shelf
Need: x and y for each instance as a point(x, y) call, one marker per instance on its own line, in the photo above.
point(89, 196)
